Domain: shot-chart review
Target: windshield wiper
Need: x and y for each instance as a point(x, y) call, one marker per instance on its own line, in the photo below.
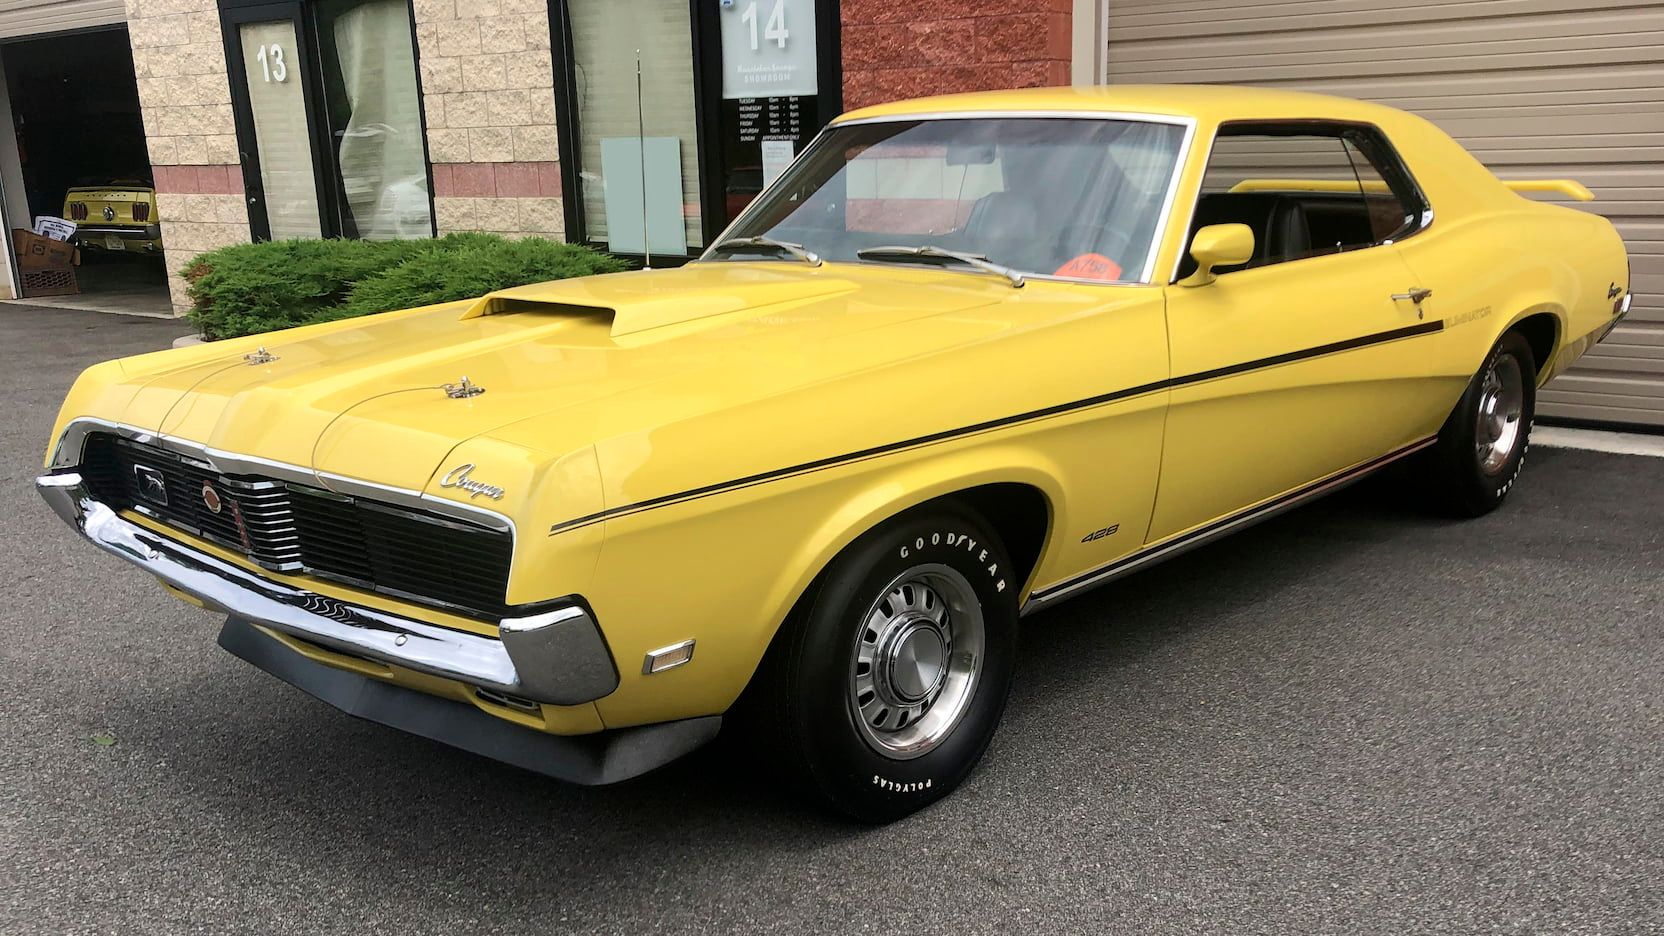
point(941, 253)
point(797, 251)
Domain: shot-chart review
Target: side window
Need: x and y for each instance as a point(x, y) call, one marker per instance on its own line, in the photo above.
point(1389, 215)
point(1306, 190)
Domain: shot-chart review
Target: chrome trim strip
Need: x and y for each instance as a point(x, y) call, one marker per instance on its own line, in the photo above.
point(1181, 543)
point(567, 671)
point(1195, 202)
point(67, 454)
point(1177, 119)
point(1167, 203)
point(139, 231)
point(751, 206)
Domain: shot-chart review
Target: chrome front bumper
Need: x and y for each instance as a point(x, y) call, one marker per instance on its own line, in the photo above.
point(555, 655)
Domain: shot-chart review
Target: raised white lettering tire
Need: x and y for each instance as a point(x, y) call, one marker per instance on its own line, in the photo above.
point(884, 688)
point(1482, 446)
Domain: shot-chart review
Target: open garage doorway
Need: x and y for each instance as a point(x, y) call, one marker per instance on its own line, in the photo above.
point(82, 155)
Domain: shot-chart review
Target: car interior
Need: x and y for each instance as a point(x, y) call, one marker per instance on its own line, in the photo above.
point(1319, 211)
point(1293, 225)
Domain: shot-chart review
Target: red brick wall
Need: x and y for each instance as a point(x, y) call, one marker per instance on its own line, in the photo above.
point(894, 50)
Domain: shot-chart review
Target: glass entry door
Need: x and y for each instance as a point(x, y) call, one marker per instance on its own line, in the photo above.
point(374, 114)
point(329, 121)
point(274, 121)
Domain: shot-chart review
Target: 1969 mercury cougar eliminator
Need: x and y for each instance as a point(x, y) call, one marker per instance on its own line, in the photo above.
point(967, 357)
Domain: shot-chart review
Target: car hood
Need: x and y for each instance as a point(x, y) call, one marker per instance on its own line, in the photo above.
point(562, 365)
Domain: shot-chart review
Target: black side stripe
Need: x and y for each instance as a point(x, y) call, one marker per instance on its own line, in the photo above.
point(1411, 331)
point(1241, 517)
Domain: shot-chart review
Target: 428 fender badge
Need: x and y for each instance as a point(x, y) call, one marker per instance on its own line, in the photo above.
point(1100, 534)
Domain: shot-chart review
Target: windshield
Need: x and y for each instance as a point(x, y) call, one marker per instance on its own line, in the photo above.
point(1071, 197)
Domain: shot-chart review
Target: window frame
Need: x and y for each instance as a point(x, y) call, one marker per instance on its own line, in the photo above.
point(235, 13)
point(1396, 173)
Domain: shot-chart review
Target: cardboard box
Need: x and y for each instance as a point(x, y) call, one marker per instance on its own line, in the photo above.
point(36, 252)
point(47, 266)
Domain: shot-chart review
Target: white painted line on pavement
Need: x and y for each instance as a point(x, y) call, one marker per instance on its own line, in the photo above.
point(1593, 440)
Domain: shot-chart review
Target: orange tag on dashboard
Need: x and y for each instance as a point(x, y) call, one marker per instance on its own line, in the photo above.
point(1091, 266)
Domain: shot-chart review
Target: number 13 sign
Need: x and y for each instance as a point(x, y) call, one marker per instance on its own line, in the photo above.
point(768, 48)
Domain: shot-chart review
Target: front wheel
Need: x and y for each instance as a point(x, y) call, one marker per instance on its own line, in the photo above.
point(886, 686)
point(1482, 446)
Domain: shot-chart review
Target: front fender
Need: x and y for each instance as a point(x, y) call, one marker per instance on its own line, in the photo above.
point(909, 486)
point(738, 562)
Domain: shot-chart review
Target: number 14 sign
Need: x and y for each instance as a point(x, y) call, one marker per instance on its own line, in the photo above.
point(768, 48)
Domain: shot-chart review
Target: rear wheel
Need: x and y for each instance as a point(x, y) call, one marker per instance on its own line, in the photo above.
point(884, 689)
point(1482, 446)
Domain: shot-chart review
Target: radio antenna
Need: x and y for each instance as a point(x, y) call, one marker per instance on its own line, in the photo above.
point(641, 143)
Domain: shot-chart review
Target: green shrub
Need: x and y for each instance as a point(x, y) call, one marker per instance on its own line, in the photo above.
point(250, 288)
point(464, 266)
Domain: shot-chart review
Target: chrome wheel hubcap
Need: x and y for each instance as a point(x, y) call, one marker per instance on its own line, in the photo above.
point(917, 656)
point(1501, 404)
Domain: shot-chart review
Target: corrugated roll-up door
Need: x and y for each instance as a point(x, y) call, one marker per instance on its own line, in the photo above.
point(30, 17)
point(1534, 88)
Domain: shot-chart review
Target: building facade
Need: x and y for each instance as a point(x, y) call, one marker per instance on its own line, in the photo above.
point(410, 118)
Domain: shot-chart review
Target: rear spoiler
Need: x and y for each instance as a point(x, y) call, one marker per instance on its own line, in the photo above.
point(1566, 187)
point(1373, 186)
point(1576, 191)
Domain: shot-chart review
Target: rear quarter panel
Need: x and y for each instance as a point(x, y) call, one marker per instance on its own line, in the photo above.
point(1494, 257)
point(1491, 270)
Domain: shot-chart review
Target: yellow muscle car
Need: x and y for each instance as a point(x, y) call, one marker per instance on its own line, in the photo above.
point(120, 216)
point(967, 357)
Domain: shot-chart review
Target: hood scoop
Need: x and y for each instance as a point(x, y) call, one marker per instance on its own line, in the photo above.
point(500, 304)
point(645, 300)
point(635, 314)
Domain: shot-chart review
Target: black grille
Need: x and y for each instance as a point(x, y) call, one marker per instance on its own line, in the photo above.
point(297, 528)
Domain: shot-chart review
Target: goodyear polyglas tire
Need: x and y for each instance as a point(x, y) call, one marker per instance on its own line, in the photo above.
point(1483, 444)
point(884, 689)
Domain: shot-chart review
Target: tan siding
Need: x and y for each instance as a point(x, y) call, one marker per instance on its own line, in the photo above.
point(29, 17)
point(1534, 88)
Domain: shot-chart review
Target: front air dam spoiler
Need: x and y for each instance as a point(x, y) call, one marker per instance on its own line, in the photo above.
point(590, 760)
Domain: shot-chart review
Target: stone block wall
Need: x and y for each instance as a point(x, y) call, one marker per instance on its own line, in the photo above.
point(488, 87)
point(893, 51)
point(179, 62)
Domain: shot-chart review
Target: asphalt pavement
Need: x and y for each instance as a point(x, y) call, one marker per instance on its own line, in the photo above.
point(1356, 718)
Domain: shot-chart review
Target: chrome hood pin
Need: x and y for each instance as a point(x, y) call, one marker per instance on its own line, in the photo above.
point(463, 390)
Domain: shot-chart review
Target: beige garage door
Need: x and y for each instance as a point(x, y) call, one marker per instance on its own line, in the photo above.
point(1534, 88)
point(31, 17)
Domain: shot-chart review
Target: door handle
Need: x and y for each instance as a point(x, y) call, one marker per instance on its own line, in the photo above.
point(1415, 295)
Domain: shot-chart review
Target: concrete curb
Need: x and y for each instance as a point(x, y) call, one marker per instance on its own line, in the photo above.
point(1593, 440)
point(187, 341)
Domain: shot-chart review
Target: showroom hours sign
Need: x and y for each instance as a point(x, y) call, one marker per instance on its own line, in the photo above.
point(770, 80)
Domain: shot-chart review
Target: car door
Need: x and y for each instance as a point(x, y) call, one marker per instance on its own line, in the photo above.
point(1302, 363)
